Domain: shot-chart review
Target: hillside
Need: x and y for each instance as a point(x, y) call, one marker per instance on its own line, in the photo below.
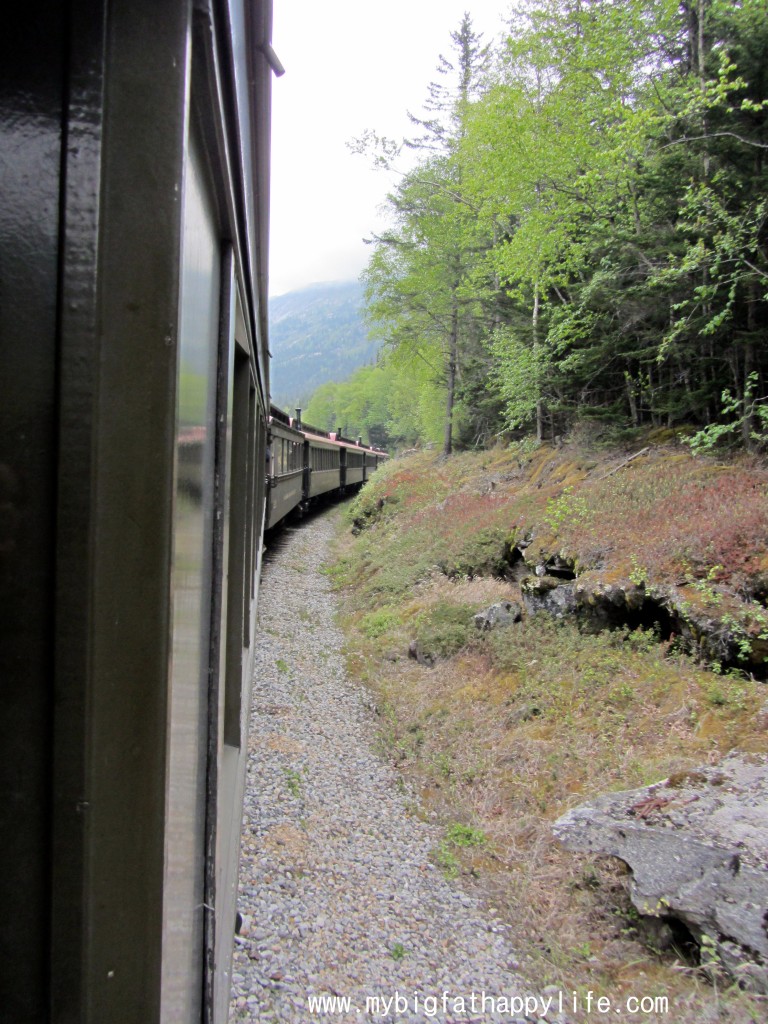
point(635, 647)
point(316, 335)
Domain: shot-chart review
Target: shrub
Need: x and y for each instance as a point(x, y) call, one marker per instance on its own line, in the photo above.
point(444, 629)
point(376, 624)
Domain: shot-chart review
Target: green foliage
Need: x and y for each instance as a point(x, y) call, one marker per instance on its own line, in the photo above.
point(744, 414)
point(465, 835)
point(639, 574)
point(458, 836)
point(565, 508)
point(380, 622)
point(391, 404)
point(586, 234)
point(445, 629)
point(422, 299)
point(293, 781)
point(517, 375)
point(446, 859)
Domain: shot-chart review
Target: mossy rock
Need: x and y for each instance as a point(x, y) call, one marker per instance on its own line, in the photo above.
point(537, 586)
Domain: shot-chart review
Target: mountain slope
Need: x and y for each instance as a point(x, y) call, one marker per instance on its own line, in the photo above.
point(316, 335)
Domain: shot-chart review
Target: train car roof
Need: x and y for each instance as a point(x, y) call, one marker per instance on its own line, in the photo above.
point(342, 443)
point(278, 424)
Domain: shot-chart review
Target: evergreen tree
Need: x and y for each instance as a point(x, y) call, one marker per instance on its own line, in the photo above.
point(420, 290)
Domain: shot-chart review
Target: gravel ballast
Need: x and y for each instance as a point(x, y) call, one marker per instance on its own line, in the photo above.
point(338, 894)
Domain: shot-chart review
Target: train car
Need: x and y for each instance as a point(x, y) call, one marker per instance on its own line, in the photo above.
point(285, 467)
point(322, 463)
point(352, 463)
point(372, 461)
point(306, 464)
point(134, 193)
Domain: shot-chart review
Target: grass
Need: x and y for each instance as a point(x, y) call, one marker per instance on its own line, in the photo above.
point(293, 781)
point(452, 852)
point(505, 731)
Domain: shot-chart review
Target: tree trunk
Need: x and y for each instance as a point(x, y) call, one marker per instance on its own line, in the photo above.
point(632, 398)
point(539, 403)
point(652, 386)
point(748, 407)
point(452, 359)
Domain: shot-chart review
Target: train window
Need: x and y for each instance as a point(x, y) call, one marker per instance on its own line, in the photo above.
point(193, 585)
point(249, 517)
point(238, 546)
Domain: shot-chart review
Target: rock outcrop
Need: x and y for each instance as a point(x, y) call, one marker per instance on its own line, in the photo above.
point(697, 848)
point(504, 613)
point(711, 634)
point(548, 594)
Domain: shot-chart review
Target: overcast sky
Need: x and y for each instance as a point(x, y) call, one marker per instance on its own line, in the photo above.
point(350, 65)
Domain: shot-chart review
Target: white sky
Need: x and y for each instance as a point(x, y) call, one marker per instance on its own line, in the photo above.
point(350, 65)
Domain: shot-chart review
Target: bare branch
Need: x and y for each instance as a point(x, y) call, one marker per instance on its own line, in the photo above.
point(715, 135)
point(757, 270)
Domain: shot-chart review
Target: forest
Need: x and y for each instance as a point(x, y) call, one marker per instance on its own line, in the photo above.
point(578, 233)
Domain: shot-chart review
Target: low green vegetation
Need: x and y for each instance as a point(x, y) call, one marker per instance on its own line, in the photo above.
point(444, 629)
point(502, 731)
point(293, 781)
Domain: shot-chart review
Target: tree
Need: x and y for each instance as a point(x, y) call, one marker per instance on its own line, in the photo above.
point(588, 231)
point(555, 152)
point(419, 284)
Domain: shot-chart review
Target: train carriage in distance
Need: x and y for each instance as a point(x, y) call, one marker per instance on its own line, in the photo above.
point(134, 382)
point(323, 463)
point(306, 464)
point(354, 464)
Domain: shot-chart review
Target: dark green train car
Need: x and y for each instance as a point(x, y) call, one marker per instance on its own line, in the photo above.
point(133, 374)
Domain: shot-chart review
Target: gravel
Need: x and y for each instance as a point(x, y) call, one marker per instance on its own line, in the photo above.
point(338, 894)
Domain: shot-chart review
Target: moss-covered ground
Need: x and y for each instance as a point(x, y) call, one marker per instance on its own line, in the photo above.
point(499, 733)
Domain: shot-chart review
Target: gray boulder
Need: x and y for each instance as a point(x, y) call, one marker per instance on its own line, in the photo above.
point(548, 594)
point(502, 614)
point(415, 651)
point(697, 847)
